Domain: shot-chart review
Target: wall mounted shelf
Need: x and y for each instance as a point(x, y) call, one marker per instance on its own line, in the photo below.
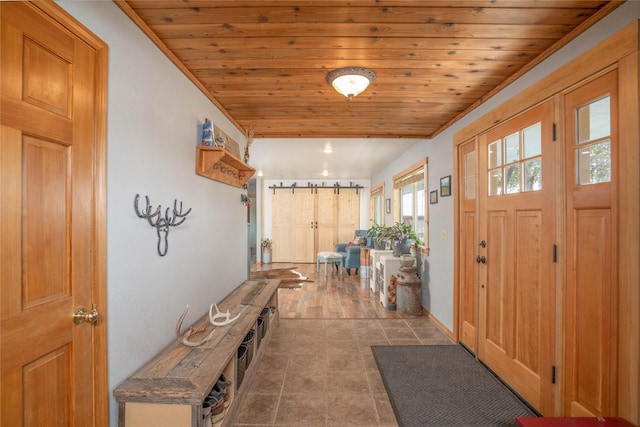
point(218, 164)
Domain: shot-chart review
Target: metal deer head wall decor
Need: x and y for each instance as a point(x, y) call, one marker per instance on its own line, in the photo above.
point(160, 222)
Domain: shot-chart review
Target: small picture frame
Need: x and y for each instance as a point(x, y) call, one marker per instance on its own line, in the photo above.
point(445, 186)
point(388, 205)
point(433, 197)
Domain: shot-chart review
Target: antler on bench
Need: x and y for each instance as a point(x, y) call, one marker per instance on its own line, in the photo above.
point(184, 337)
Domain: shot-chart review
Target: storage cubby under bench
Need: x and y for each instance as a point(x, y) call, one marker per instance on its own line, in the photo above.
point(169, 391)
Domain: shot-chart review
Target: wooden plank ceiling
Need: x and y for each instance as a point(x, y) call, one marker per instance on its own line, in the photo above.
point(264, 63)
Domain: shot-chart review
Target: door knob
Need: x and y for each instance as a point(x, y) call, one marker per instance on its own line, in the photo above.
point(483, 244)
point(481, 259)
point(82, 315)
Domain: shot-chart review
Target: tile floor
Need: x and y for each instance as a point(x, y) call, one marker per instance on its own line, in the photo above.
point(321, 372)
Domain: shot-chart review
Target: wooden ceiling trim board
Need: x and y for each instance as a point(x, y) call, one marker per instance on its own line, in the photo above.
point(433, 43)
point(443, 30)
point(523, 4)
point(365, 14)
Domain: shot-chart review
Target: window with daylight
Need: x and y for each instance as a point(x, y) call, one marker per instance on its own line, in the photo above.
point(376, 204)
point(593, 151)
point(515, 162)
point(410, 199)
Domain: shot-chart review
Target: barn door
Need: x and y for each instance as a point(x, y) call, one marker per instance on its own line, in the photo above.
point(326, 220)
point(348, 214)
point(469, 245)
point(52, 222)
point(591, 285)
point(303, 219)
point(281, 226)
point(517, 271)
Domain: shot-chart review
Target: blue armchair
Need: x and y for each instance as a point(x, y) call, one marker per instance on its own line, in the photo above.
point(351, 254)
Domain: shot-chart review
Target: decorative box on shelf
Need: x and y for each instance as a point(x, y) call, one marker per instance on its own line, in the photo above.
point(219, 164)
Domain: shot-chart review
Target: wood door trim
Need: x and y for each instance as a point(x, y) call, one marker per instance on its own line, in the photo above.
point(629, 241)
point(101, 382)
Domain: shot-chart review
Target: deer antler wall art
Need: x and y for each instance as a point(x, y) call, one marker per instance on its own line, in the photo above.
point(161, 223)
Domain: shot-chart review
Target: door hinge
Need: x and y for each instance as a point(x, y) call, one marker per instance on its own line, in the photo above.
point(555, 253)
point(553, 374)
point(553, 130)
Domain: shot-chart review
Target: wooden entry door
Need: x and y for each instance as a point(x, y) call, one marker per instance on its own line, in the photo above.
point(517, 193)
point(591, 297)
point(52, 219)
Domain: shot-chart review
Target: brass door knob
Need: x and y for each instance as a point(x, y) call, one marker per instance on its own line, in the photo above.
point(82, 315)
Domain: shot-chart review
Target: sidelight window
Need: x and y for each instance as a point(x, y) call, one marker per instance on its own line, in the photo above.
point(593, 151)
point(470, 175)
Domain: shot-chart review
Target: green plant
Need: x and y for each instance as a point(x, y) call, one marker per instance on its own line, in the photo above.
point(399, 233)
point(375, 232)
point(266, 242)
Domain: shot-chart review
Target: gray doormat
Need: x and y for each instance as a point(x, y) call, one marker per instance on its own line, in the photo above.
point(443, 385)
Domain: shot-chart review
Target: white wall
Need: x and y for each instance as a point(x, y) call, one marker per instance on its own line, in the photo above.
point(437, 289)
point(154, 114)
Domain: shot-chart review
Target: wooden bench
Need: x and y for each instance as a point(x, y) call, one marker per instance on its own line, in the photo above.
point(169, 391)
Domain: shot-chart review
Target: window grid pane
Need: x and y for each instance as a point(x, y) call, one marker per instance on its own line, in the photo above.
point(532, 180)
point(594, 120)
point(495, 154)
point(495, 182)
point(532, 141)
point(594, 163)
point(512, 178)
point(470, 175)
point(593, 152)
point(512, 148)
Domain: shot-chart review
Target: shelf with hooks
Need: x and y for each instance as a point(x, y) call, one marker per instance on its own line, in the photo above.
point(220, 165)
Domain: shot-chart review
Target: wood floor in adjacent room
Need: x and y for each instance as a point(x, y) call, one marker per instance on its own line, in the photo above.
point(319, 369)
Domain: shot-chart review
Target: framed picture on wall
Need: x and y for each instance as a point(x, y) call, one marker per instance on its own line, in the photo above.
point(433, 197)
point(445, 186)
point(388, 205)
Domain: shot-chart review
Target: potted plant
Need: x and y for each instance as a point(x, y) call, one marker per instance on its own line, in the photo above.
point(401, 236)
point(266, 244)
point(376, 233)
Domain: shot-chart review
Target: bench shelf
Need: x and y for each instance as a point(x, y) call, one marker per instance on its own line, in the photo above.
point(170, 390)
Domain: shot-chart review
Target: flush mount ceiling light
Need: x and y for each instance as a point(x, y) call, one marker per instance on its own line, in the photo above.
point(350, 81)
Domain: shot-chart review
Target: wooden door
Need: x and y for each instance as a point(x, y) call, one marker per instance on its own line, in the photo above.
point(591, 280)
point(469, 245)
point(303, 218)
point(348, 214)
point(52, 220)
point(326, 220)
point(282, 250)
point(517, 279)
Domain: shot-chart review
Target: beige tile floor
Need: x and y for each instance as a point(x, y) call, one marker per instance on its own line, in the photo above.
point(321, 372)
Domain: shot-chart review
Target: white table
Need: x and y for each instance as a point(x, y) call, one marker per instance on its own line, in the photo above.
point(329, 258)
